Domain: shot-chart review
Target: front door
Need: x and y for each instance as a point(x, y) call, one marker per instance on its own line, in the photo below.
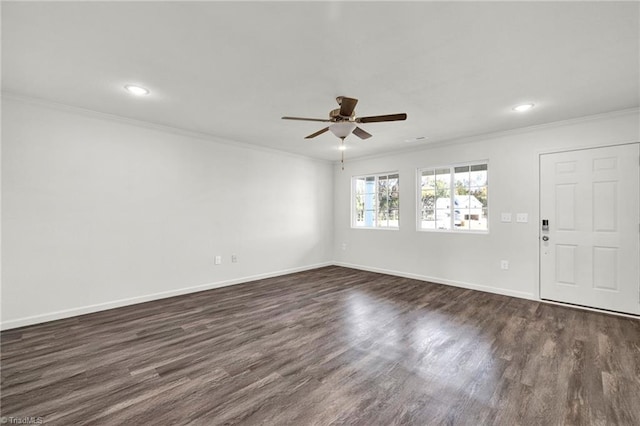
point(590, 253)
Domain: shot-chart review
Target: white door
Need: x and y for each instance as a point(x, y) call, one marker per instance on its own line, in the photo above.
point(590, 253)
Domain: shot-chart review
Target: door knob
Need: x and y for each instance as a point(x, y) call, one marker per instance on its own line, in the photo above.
point(545, 238)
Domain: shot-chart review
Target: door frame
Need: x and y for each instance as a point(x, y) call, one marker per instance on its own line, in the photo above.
point(538, 213)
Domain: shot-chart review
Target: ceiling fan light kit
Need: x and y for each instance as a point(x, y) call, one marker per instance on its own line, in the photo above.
point(344, 121)
point(342, 129)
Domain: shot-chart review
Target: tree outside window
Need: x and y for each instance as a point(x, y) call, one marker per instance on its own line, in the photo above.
point(376, 201)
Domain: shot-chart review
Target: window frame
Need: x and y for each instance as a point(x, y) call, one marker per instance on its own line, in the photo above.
point(451, 167)
point(352, 200)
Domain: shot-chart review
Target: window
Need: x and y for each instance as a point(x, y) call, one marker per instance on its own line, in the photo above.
point(376, 201)
point(454, 198)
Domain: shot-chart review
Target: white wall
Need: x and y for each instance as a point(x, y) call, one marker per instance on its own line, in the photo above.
point(99, 212)
point(470, 260)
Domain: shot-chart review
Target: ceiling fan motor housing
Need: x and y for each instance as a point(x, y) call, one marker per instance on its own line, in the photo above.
point(334, 115)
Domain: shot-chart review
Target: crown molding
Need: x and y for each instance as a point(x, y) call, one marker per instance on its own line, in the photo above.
point(504, 133)
point(221, 140)
point(45, 103)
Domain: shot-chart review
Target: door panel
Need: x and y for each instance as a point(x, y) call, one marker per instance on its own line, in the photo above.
point(591, 255)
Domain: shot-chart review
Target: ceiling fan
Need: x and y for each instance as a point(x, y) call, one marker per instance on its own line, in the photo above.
point(344, 121)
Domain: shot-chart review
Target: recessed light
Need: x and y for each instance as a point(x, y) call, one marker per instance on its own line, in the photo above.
point(136, 90)
point(523, 107)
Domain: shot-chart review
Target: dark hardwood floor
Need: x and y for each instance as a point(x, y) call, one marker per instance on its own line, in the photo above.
point(328, 346)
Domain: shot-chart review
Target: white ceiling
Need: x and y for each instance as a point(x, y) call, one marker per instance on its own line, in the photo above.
point(231, 70)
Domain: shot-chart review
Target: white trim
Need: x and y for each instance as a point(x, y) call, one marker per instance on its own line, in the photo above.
point(491, 135)
point(153, 126)
point(584, 147)
point(453, 231)
point(68, 313)
point(461, 284)
point(381, 228)
point(431, 144)
point(478, 287)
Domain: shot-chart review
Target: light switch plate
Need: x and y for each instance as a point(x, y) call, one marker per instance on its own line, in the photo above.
point(505, 217)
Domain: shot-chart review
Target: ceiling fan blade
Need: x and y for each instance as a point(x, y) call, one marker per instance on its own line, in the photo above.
point(347, 105)
point(323, 120)
point(361, 133)
point(319, 132)
point(378, 118)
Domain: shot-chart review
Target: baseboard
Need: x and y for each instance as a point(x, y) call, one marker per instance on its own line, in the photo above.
point(68, 313)
point(470, 286)
point(52, 316)
point(488, 289)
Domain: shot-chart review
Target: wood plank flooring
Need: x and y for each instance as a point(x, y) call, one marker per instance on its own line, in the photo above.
point(327, 346)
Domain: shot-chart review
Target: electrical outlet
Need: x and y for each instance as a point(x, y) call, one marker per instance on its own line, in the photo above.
point(505, 217)
point(217, 260)
point(504, 265)
point(344, 246)
point(522, 217)
point(234, 258)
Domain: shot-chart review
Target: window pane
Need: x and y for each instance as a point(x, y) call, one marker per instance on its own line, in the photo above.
point(461, 210)
point(383, 219)
point(393, 183)
point(369, 217)
point(383, 201)
point(478, 177)
point(461, 181)
point(394, 192)
point(369, 201)
point(427, 199)
point(443, 213)
point(382, 185)
point(480, 191)
point(358, 211)
point(479, 208)
point(370, 184)
point(358, 202)
point(443, 198)
point(394, 218)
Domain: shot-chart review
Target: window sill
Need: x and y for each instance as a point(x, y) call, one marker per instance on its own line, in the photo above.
point(375, 228)
point(454, 231)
